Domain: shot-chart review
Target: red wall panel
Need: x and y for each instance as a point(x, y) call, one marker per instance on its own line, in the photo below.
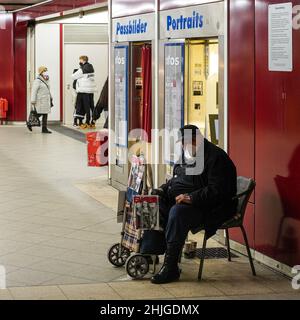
point(7, 59)
point(277, 224)
point(241, 91)
point(20, 35)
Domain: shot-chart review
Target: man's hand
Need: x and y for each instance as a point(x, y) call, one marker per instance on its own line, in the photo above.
point(157, 192)
point(183, 198)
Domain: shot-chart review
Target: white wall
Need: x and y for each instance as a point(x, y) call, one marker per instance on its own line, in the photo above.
point(47, 53)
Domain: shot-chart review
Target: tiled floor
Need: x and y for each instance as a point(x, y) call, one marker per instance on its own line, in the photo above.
point(57, 221)
point(50, 231)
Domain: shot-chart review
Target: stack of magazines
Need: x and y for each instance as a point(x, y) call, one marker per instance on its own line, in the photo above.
point(146, 212)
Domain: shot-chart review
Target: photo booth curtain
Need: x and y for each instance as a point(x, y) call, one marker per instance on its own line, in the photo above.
point(147, 92)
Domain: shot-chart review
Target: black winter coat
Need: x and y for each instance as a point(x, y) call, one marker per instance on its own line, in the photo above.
point(102, 104)
point(212, 191)
point(87, 68)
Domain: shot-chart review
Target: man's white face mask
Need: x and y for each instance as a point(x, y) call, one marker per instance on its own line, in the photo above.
point(188, 154)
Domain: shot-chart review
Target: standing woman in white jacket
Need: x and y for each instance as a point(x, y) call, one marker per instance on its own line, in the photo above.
point(41, 99)
point(85, 88)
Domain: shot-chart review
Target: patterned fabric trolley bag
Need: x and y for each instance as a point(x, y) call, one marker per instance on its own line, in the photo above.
point(131, 234)
point(142, 239)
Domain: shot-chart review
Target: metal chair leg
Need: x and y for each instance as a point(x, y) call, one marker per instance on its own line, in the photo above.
point(202, 257)
point(228, 244)
point(248, 250)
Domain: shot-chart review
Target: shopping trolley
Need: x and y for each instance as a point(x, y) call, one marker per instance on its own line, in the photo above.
point(131, 251)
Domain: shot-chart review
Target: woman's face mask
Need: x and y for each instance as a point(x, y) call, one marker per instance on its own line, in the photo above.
point(45, 76)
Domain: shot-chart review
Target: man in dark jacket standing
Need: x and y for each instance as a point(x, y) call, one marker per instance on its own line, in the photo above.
point(194, 198)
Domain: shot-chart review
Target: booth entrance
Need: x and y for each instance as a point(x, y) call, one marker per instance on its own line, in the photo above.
point(132, 73)
point(193, 92)
point(201, 106)
point(192, 78)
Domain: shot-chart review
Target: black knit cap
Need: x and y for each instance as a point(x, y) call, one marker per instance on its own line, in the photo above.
point(190, 130)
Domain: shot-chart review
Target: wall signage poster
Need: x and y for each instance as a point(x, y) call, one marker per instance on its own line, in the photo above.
point(281, 37)
point(121, 95)
point(174, 95)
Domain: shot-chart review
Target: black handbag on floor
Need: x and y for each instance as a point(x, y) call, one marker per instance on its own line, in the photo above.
point(33, 120)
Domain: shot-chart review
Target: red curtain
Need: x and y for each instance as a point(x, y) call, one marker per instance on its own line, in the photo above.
point(147, 91)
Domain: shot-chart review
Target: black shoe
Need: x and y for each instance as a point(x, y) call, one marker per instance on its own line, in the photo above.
point(169, 271)
point(29, 127)
point(166, 275)
point(45, 130)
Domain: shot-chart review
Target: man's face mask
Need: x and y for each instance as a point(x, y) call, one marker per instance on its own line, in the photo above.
point(189, 153)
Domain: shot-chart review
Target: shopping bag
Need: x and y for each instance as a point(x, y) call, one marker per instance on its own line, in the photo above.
point(153, 242)
point(33, 120)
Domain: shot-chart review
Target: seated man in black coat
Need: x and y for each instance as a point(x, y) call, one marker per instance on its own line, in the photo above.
point(194, 198)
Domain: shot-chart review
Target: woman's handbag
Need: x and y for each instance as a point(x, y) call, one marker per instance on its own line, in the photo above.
point(33, 120)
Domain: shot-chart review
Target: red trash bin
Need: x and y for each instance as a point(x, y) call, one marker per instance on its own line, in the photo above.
point(3, 108)
point(97, 148)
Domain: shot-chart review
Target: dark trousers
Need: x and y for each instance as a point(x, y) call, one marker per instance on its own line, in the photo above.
point(178, 220)
point(85, 102)
point(44, 119)
point(78, 121)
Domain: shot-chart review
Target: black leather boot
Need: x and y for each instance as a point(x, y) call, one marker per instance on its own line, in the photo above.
point(45, 130)
point(169, 271)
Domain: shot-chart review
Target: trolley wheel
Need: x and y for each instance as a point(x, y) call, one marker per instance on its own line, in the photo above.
point(137, 266)
point(116, 256)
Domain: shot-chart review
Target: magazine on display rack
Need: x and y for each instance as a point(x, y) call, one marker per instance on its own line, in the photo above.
point(146, 212)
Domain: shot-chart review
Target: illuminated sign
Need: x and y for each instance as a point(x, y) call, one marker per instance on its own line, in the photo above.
point(205, 20)
point(134, 28)
point(195, 21)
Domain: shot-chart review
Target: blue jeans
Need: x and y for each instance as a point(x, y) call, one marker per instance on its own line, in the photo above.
point(178, 220)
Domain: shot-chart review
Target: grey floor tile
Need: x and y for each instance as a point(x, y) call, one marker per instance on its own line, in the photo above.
point(86, 258)
point(99, 274)
point(65, 280)
point(30, 277)
point(38, 293)
point(44, 251)
point(18, 259)
point(56, 266)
